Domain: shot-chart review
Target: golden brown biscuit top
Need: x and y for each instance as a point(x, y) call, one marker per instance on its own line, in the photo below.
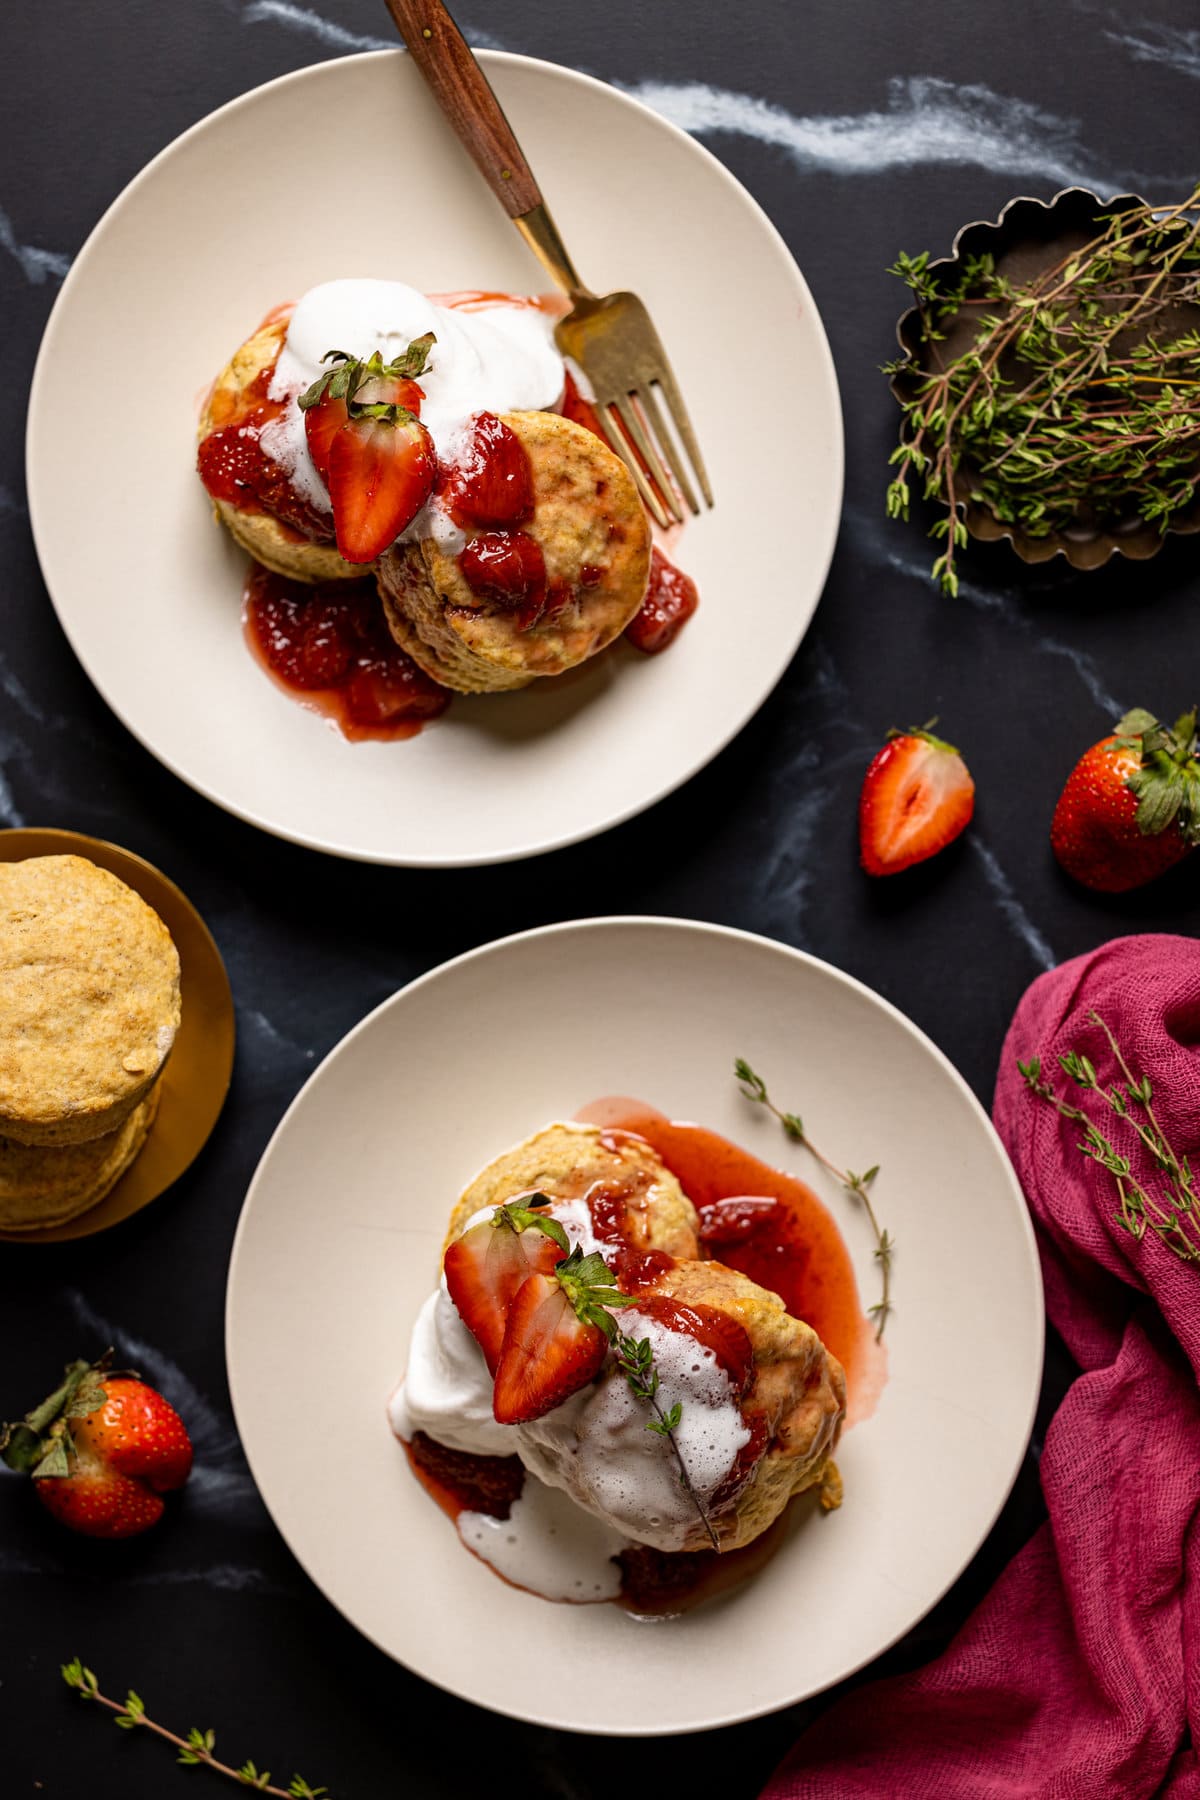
point(595, 538)
point(89, 990)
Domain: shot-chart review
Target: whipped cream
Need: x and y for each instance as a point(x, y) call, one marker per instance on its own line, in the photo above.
point(595, 1448)
point(549, 1546)
point(490, 358)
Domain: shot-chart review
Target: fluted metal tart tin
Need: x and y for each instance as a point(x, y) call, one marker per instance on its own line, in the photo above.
point(1028, 236)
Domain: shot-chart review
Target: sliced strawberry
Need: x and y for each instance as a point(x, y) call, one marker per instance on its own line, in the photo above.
point(350, 387)
point(548, 1352)
point(717, 1331)
point(492, 482)
point(917, 796)
point(508, 571)
point(485, 1268)
point(732, 1220)
point(381, 473)
point(322, 423)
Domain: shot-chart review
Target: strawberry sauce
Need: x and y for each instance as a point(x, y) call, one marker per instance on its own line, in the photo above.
point(771, 1227)
point(330, 647)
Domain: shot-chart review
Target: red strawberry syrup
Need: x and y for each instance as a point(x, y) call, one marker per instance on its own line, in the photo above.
point(792, 1246)
point(330, 647)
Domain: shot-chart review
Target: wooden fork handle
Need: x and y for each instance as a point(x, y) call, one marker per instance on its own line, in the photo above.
point(461, 89)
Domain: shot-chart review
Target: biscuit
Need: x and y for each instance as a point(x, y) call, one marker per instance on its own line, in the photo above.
point(47, 1184)
point(89, 1000)
point(565, 1160)
point(595, 539)
point(265, 537)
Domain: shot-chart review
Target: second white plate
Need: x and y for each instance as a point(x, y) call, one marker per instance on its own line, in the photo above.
point(348, 168)
point(339, 1243)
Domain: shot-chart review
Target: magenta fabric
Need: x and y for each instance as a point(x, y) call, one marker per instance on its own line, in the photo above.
point(1078, 1678)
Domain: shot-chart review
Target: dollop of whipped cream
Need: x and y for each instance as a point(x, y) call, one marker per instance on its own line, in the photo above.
point(497, 357)
point(595, 1447)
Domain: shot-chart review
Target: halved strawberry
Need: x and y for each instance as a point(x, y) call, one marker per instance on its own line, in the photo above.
point(381, 470)
point(718, 1331)
point(917, 796)
point(558, 1332)
point(369, 446)
point(326, 404)
point(486, 1266)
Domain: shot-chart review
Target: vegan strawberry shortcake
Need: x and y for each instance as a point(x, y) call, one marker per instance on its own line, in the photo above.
point(370, 432)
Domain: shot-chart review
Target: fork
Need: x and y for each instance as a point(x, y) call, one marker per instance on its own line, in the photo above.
point(610, 336)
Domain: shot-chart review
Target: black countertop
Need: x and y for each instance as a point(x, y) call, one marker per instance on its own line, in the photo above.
point(862, 129)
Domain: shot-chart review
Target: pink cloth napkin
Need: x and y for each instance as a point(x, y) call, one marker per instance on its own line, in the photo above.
point(1078, 1678)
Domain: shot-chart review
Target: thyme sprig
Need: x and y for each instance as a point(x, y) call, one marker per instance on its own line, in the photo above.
point(1174, 1216)
point(196, 1748)
point(635, 1359)
point(1077, 400)
point(857, 1186)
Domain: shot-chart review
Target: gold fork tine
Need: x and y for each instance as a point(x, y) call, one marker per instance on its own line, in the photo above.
point(620, 443)
point(670, 450)
point(649, 451)
point(683, 426)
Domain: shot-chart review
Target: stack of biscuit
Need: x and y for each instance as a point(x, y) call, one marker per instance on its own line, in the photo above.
point(89, 1009)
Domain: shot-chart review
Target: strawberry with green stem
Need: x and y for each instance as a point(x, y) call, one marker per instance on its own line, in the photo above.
point(490, 1262)
point(369, 446)
point(102, 1450)
point(1130, 809)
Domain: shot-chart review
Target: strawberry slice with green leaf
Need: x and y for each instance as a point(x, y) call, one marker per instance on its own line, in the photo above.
point(488, 1264)
point(556, 1338)
point(917, 796)
point(370, 448)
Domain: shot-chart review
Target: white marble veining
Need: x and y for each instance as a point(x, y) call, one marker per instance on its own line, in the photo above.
point(1173, 46)
point(37, 265)
point(925, 121)
point(1009, 905)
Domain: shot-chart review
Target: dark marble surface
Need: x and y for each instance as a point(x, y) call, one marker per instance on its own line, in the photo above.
point(862, 128)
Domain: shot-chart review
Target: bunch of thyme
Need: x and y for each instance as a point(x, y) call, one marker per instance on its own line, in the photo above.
point(1174, 1215)
point(1078, 398)
point(857, 1186)
point(197, 1748)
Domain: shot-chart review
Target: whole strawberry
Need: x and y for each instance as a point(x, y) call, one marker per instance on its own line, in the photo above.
point(102, 1450)
point(1131, 807)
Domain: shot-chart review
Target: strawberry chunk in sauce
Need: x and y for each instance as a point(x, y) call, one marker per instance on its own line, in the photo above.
point(332, 645)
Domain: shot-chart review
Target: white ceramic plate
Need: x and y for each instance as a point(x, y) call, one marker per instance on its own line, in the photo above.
point(339, 1242)
point(256, 204)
